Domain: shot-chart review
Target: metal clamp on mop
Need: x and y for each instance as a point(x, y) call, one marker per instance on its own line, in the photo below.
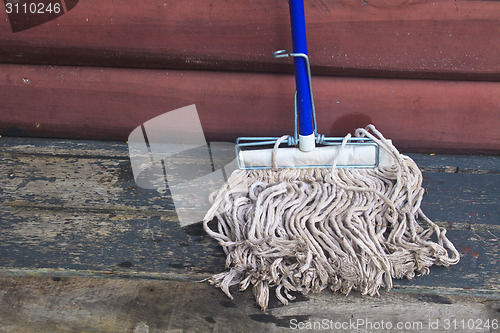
point(358, 152)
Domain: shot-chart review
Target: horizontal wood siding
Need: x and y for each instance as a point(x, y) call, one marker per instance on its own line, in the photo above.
point(108, 103)
point(414, 39)
point(426, 73)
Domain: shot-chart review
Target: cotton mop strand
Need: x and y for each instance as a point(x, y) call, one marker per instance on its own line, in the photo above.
point(314, 228)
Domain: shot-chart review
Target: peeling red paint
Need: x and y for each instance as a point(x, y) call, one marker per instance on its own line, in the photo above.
point(465, 249)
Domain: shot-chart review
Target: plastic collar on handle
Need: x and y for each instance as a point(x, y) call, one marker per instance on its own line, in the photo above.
point(307, 143)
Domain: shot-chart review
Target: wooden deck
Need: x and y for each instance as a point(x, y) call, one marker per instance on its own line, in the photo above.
point(84, 249)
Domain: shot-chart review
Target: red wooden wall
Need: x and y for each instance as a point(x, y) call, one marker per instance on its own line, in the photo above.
point(426, 73)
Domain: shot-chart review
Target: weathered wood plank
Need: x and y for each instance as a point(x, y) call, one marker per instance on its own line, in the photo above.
point(115, 150)
point(418, 39)
point(97, 305)
point(458, 200)
point(73, 184)
point(113, 242)
point(467, 199)
point(478, 268)
point(83, 213)
point(105, 103)
point(58, 213)
point(476, 164)
point(127, 243)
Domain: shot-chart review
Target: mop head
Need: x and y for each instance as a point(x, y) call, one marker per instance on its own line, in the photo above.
point(307, 229)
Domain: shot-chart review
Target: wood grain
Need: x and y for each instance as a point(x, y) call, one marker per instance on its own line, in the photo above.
point(106, 186)
point(83, 248)
point(129, 244)
point(106, 103)
point(68, 208)
point(411, 39)
point(118, 151)
point(44, 304)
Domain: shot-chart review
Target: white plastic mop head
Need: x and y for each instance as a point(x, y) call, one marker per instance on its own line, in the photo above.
point(347, 153)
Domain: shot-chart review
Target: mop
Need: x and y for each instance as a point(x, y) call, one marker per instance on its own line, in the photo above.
point(339, 213)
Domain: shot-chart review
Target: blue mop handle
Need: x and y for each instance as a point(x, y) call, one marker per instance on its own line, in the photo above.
point(298, 23)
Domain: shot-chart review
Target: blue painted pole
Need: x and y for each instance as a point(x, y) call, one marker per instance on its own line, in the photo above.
point(297, 18)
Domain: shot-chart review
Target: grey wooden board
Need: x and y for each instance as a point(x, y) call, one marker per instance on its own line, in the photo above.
point(44, 304)
point(462, 198)
point(73, 182)
point(124, 244)
point(478, 269)
point(60, 147)
point(73, 206)
point(105, 184)
point(458, 163)
point(113, 242)
point(118, 150)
